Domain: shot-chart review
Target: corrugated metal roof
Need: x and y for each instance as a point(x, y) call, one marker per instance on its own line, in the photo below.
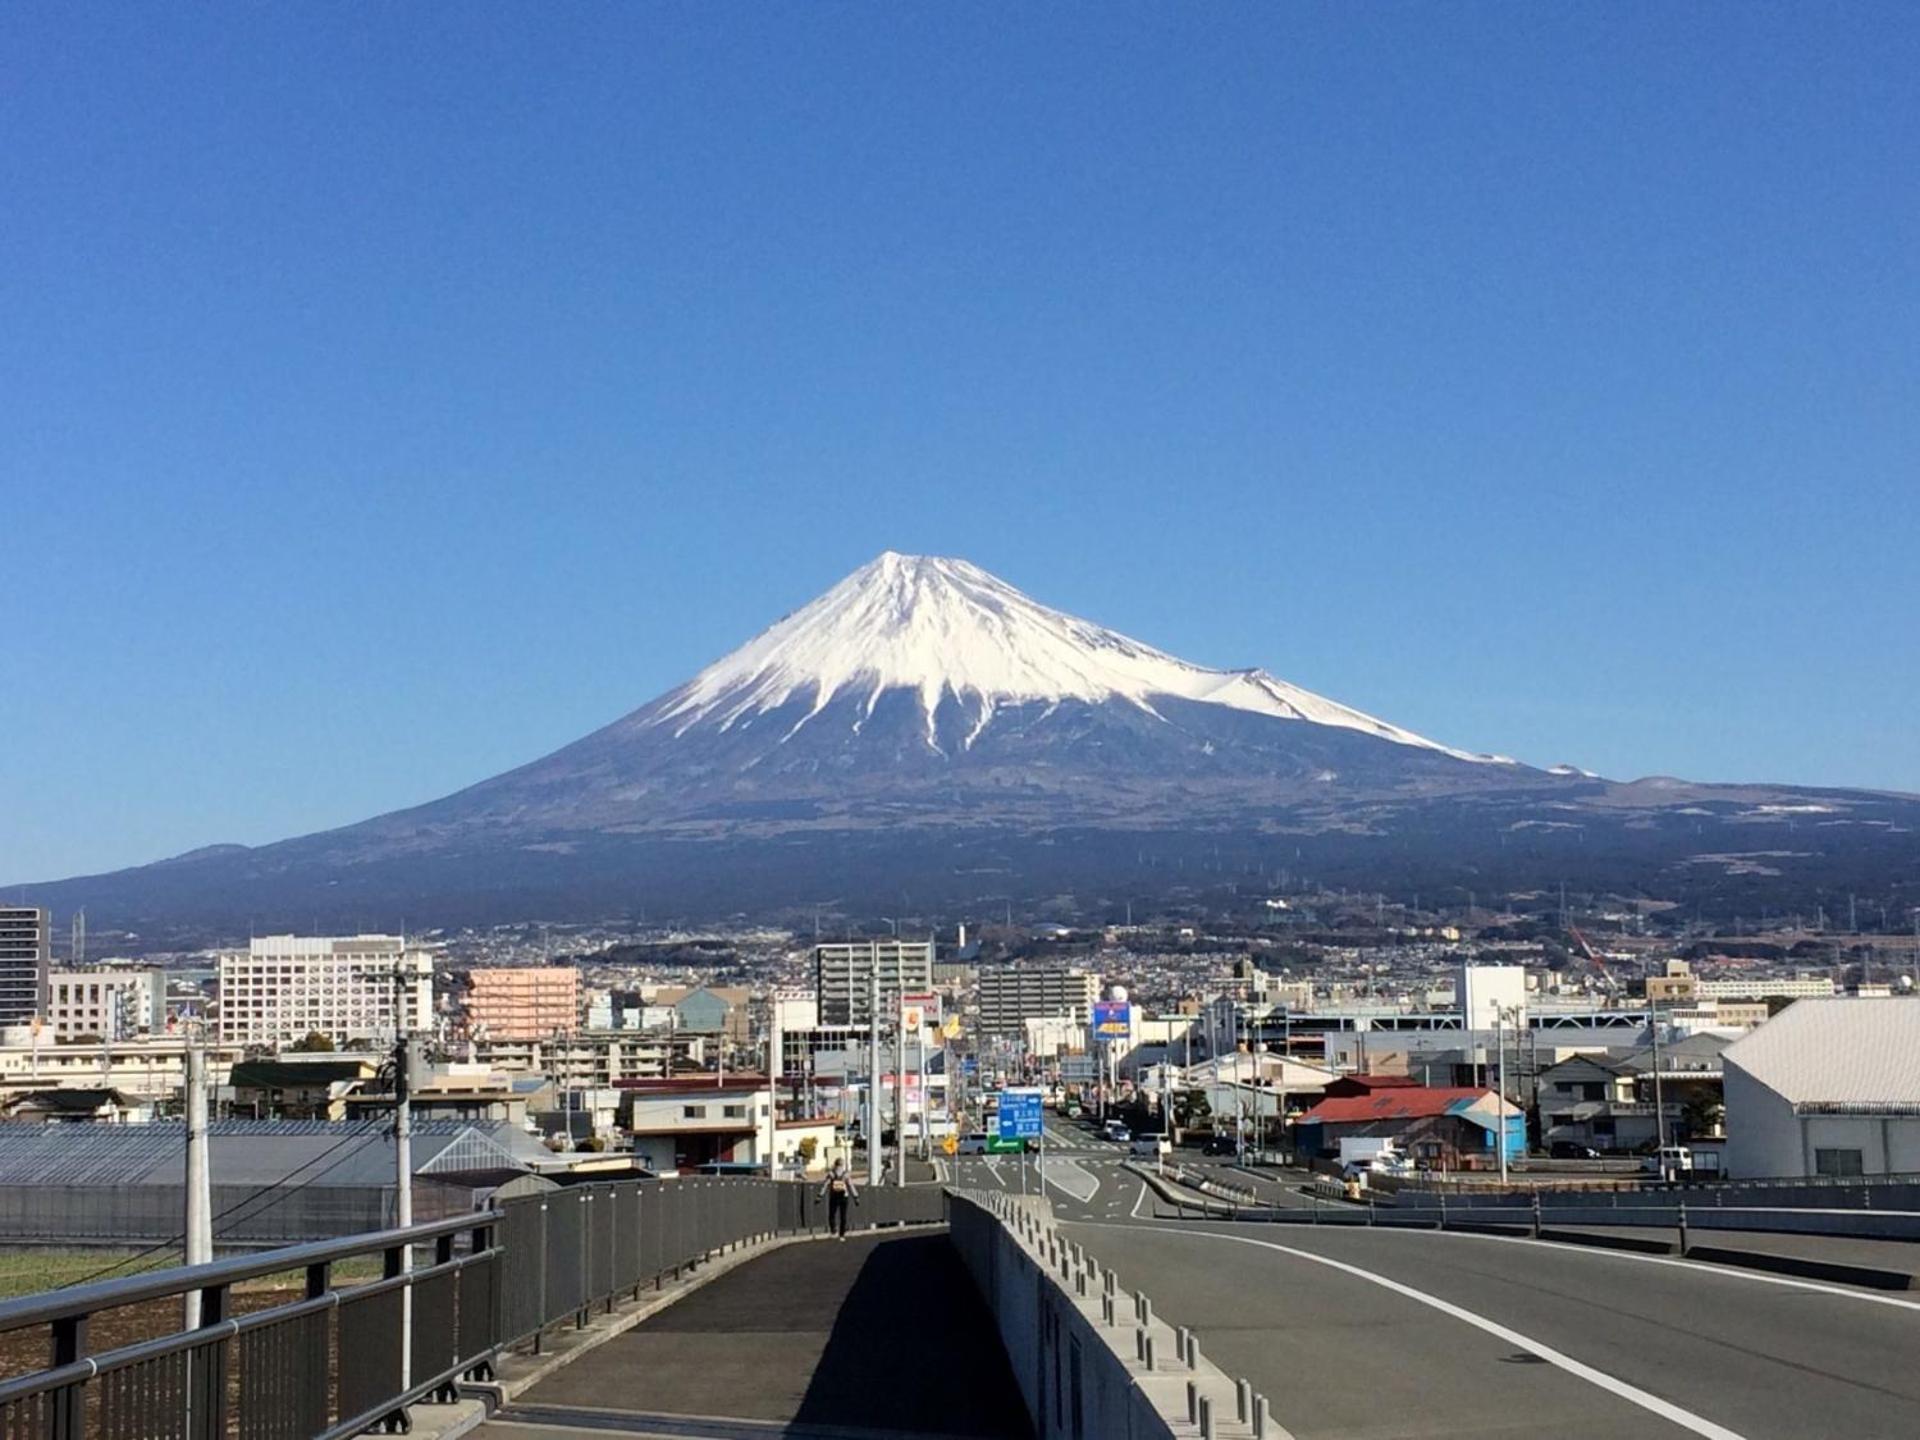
point(253, 1152)
point(1836, 1052)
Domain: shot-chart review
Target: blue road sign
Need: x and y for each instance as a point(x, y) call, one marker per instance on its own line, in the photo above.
point(1020, 1114)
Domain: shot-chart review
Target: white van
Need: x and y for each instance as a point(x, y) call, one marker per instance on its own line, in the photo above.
point(1669, 1162)
point(1152, 1146)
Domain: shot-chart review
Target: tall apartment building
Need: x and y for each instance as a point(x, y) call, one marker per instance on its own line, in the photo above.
point(533, 1002)
point(25, 948)
point(282, 988)
point(843, 975)
point(106, 1004)
point(1011, 995)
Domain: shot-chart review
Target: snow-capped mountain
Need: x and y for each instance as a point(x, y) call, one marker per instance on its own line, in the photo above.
point(924, 728)
point(945, 629)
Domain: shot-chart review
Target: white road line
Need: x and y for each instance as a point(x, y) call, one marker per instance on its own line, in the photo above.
point(1054, 1180)
point(1646, 1400)
point(1135, 1212)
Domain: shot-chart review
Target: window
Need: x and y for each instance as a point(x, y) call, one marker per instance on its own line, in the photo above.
point(734, 1112)
point(1837, 1162)
point(693, 1112)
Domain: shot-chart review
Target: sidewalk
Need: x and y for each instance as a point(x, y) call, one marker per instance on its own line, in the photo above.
point(877, 1336)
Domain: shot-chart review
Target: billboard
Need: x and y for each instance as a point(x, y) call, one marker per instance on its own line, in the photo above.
point(919, 1010)
point(1112, 1020)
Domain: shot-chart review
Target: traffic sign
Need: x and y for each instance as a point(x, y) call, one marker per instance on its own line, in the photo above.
point(950, 1144)
point(1020, 1114)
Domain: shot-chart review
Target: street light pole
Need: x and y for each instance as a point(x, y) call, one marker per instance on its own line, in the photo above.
point(1500, 1110)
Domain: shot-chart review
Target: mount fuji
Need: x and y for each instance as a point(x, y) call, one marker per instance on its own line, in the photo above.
point(925, 729)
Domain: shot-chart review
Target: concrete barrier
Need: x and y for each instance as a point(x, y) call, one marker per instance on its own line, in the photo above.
point(1091, 1363)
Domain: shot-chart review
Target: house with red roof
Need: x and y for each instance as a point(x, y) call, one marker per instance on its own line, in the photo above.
point(1445, 1126)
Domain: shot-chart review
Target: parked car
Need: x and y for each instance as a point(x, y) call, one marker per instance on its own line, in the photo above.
point(1220, 1145)
point(1572, 1150)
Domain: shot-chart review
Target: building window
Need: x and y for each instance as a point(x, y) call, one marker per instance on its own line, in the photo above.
point(693, 1112)
point(734, 1112)
point(1837, 1162)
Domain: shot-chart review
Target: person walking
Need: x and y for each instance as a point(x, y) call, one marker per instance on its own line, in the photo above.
point(839, 1189)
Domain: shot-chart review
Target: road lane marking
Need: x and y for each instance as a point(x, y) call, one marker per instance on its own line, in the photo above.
point(1645, 1399)
point(1135, 1212)
point(1053, 1179)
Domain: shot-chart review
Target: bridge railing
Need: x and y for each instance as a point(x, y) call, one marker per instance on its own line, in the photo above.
point(326, 1362)
point(321, 1356)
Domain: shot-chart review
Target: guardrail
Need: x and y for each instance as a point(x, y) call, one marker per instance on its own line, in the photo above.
point(1092, 1361)
point(330, 1361)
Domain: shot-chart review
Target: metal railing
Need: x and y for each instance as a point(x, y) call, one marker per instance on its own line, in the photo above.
point(327, 1362)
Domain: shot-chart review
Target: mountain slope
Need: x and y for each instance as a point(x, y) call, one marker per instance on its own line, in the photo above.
point(923, 724)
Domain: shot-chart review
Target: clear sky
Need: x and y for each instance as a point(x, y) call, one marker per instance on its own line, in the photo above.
point(392, 393)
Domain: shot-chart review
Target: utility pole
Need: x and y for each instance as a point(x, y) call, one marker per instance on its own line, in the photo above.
point(873, 1071)
point(1659, 1092)
point(1500, 1047)
point(900, 1089)
point(403, 1079)
point(199, 1234)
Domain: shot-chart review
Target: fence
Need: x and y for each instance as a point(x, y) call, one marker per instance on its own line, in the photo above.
point(329, 1362)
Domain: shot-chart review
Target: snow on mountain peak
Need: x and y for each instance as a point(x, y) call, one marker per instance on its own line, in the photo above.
point(937, 626)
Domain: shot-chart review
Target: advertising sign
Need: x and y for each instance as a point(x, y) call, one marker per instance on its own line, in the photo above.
point(919, 1010)
point(1019, 1117)
point(1112, 1020)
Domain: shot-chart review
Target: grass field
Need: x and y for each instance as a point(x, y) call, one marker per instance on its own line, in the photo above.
point(29, 1271)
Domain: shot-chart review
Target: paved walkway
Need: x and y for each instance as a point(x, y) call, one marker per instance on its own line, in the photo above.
point(867, 1339)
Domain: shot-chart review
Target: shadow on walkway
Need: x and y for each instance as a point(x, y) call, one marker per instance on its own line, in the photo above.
point(880, 1334)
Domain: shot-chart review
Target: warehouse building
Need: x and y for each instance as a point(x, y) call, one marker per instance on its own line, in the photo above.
point(1826, 1087)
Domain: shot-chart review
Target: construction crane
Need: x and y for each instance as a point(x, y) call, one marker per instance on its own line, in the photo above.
point(1607, 979)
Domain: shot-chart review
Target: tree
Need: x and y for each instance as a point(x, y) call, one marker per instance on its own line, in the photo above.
point(316, 1043)
point(808, 1147)
point(1191, 1108)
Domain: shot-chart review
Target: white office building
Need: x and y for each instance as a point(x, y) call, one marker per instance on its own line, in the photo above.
point(283, 988)
point(1490, 995)
point(106, 1004)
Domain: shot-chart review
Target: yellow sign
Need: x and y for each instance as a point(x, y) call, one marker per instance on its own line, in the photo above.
point(950, 1145)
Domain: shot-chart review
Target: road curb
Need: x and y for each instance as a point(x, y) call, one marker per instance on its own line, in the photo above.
point(1869, 1276)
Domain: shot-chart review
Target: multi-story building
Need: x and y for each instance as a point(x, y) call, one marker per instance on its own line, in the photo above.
point(844, 974)
point(106, 1004)
point(1792, 987)
point(524, 1003)
point(596, 1059)
point(283, 988)
point(1011, 995)
point(25, 947)
point(151, 1068)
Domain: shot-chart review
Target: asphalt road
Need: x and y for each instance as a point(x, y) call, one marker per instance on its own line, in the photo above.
point(1367, 1334)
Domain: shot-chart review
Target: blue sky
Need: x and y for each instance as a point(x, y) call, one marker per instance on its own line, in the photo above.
point(394, 393)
